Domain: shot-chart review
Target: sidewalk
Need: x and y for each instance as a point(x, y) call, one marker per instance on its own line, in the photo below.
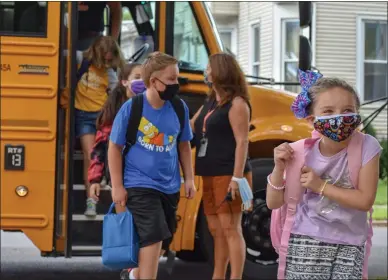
point(380, 223)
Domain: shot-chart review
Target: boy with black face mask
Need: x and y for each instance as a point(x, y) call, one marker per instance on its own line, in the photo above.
point(151, 181)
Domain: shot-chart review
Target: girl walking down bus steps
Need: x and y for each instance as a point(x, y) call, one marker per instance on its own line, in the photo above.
point(96, 77)
point(323, 188)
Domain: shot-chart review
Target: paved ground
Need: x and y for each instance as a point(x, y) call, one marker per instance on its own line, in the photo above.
point(20, 260)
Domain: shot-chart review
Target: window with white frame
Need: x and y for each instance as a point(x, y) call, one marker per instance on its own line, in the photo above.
point(373, 74)
point(290, 53)
point(228, 39)
point(255, 49)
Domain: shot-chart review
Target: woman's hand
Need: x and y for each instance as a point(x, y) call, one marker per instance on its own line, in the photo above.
point(282, 154)
point(234, 189)
point(310, 180)
point(94, 191)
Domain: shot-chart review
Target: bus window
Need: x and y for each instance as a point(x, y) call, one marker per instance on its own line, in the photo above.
point(23, 19)
point(135, 34)
point(189, 46)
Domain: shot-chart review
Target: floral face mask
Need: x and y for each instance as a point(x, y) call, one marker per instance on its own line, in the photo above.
point(337, 127)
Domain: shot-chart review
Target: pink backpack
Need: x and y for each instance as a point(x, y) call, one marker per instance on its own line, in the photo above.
point(282, 219)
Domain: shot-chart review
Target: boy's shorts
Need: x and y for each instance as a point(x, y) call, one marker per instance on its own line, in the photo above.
point(85, 122)
point(154, 215)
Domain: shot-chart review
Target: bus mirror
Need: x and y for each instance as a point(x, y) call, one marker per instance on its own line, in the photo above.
point(305, 14)
point(305, 54)
point(141, 14)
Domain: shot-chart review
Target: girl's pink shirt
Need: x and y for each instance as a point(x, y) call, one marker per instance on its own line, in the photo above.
point(323, 219)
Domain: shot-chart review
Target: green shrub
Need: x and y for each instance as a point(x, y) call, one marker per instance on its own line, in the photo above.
point(370, 130)
point(384, 159)
point(384, 155)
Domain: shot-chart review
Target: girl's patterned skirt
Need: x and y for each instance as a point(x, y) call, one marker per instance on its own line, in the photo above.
point(311, 259)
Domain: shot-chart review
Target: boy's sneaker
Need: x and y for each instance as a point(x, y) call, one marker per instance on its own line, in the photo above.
point(125, 274)
point(90, 207)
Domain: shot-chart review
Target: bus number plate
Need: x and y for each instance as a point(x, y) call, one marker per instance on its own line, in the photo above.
point(14, 157)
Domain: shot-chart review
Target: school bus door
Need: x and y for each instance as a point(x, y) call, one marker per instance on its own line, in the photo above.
point(29, 95)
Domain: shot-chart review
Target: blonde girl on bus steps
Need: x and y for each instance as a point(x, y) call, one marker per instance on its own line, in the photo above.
point(329, 182)
point(96, 78)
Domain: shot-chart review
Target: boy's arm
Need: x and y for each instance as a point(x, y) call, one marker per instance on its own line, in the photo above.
point(186, 161)
point(185, 147)
point(115, 161)
point(116, 144)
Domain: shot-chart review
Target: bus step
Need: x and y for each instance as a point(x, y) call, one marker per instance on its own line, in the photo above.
point(87, 231)
point(86, 251)
point(79, 200)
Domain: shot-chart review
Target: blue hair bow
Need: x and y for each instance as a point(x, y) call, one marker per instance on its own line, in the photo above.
point(307, 80)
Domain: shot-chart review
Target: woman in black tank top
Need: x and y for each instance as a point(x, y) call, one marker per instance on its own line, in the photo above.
point(221, 127)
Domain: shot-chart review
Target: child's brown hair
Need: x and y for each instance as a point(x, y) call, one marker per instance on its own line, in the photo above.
point(100, 47)
point(228, 78)
point(156, 61)
point(324, 84)
point(116, 98)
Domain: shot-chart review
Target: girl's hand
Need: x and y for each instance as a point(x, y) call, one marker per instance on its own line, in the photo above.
point(94, 191)
point(310, 180)
point(233, 189)
point(282, 154)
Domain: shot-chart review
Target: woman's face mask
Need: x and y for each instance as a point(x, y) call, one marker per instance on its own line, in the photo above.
point(337, 127)
point(206, 79)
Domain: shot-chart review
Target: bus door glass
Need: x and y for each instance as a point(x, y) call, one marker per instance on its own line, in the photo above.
point(139, 29)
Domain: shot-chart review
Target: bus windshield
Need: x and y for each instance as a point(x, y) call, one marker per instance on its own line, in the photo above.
point(214, 26)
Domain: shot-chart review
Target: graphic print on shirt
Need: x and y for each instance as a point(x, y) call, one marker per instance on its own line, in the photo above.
point(93, 80)
point(325, 205)
point(153, 139)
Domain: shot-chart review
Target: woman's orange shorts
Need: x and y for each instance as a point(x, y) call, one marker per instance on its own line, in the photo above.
point(215, 189)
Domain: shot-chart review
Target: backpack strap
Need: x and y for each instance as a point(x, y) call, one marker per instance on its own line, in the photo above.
point(354, 155)
point(292, 195)
point(179, 109)
point(85, 64)
point(133, 123)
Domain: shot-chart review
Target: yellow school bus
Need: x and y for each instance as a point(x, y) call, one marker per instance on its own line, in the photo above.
point(42, 191)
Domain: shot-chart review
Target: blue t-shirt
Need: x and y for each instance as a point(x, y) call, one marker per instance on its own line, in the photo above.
point(153, 161)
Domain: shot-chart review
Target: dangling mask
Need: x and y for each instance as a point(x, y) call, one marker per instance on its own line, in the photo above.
point(206, 80)
point(138, 86)
point(337, 127)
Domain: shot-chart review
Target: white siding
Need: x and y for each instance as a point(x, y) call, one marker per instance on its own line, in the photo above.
point(380, 123)
point(225, 8)
point(336, 33)
point(336, 39)
point(256, 12)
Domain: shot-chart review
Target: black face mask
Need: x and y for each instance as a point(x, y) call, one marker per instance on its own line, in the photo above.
point(169, 92)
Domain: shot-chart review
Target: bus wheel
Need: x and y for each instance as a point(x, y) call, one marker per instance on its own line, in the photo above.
point(197, 255)
point(261, 258)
